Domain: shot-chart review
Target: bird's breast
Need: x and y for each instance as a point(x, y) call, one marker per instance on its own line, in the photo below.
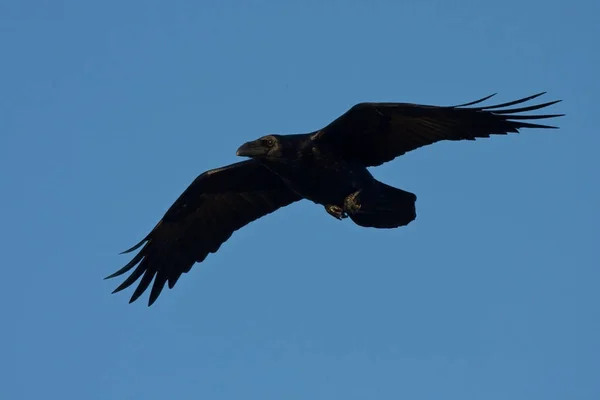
point(323, 182)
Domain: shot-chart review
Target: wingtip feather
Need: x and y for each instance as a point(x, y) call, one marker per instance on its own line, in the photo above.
point(475, 102)
point(135, 247)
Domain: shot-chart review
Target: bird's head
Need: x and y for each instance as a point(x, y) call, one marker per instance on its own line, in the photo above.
point(269, 146)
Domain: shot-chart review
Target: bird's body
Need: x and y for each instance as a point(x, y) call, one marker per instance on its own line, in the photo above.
point(327, 167)
point(311, 170)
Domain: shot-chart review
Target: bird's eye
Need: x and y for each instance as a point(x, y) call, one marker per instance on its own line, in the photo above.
point(269, 142)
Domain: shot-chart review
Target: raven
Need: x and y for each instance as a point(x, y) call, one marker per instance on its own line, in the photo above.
point(327, 167)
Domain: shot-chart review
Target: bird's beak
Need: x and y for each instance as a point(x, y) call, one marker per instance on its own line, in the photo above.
point(250, 149)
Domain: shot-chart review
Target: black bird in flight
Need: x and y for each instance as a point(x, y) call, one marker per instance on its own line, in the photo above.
point(327, 167)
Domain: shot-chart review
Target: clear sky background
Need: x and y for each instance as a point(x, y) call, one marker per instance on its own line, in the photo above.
point(108, 110)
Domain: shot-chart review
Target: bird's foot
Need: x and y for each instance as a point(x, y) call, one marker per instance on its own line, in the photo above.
point(352, 202)
point(336, 211)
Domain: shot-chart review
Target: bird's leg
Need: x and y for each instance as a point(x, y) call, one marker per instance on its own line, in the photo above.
point(352, 202)
point(336, 211)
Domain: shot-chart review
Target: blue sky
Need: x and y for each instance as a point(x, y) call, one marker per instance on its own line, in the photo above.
point(109, 110)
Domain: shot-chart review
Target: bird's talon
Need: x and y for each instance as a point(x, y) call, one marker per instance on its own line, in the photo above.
point(351, 204)
point(336, 211)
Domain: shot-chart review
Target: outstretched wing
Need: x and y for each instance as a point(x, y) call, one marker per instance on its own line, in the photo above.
point(375, 133)
point(216, 204)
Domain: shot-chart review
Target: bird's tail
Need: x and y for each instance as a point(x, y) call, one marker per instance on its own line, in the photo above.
point(385, 207)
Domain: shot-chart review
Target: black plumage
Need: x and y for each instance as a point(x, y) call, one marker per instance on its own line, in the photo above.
point(328, 167)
